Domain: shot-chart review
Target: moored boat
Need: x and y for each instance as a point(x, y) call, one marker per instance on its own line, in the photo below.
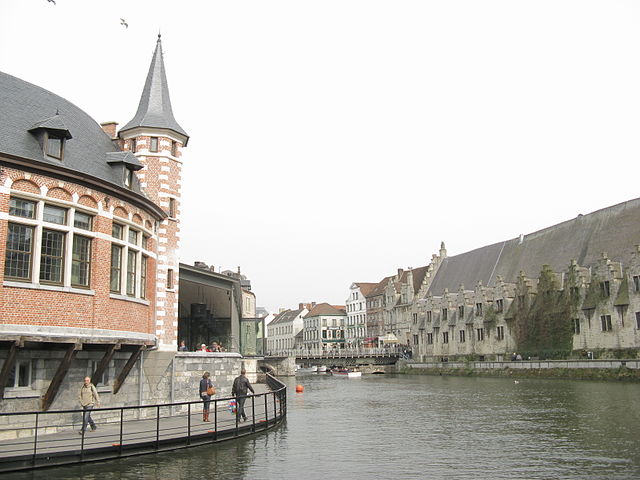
point(345, 372)
point(322, 369)
point(310, 369)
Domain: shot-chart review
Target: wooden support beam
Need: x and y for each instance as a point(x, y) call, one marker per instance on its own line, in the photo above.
point(7, 367)
point(63, 368)
point(104, 363)
point(127, 368)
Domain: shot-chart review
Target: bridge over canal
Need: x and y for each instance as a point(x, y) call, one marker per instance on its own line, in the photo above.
point(369, 360)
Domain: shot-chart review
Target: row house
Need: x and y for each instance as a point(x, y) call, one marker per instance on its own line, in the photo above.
point(356, 304)
point(324, 327)
point(375, 311)
point(603, 315)
point(282, 330)
point(550, 293)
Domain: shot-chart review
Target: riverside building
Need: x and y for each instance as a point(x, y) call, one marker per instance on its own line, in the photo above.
point(89, 254)
point(569, 290)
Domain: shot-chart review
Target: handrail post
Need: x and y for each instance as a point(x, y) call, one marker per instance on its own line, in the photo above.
point(237, 406)
point(157, 426)
point(35, 442)
point(253, 413)
point(275, 407)
point(121, 429)
point(83, 430)
point(215, 419)
point(189, 424)
point(266, 410)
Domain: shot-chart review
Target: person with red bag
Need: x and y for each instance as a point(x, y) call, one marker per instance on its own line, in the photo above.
point(207, 390)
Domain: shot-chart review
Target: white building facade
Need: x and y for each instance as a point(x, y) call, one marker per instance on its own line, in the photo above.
point(282, 330)
point(356, 305)
point(324, 327)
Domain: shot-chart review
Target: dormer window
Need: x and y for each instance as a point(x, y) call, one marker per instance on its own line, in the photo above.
point(53, 145)
point(128, 177)
point(52, 133)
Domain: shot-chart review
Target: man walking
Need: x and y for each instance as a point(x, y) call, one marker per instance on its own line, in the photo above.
point(88, 398)
point(240, 387)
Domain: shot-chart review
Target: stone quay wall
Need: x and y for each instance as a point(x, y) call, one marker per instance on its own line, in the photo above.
point(157, 378)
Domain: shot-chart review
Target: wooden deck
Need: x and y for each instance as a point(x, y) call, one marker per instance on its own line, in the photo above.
point(167, 429)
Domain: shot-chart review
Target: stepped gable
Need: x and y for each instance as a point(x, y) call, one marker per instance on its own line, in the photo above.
point(25, 108)
point(379, 287)
point(366, 288)
point(467, 269)
point(418, 277)
point(614, 230)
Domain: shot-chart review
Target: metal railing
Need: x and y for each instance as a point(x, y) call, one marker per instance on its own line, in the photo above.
point(51, 438)
point(390, 351)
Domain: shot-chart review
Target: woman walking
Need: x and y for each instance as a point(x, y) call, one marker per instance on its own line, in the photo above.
point(206, 392)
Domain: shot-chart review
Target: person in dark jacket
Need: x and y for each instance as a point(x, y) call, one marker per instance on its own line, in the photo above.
point(241, 385)
point(205, 384)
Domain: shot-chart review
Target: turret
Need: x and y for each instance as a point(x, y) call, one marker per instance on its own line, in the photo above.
point(156, 139)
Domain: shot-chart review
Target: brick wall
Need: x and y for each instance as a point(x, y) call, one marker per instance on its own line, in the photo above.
point(24, 303)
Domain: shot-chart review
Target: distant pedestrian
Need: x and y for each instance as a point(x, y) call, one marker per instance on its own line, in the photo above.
point(182, 347)
point(88, 399)
point(206, 391)
point(203, 348)
point(241, 385)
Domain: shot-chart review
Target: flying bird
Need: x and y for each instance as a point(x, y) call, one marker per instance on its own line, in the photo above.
point(122, 21)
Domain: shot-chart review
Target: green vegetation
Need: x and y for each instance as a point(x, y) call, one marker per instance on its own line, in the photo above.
point(622, 299)
point(544, 325)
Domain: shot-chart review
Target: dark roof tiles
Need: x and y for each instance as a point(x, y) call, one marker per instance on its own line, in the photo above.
point(154, 109)
point(26, 108)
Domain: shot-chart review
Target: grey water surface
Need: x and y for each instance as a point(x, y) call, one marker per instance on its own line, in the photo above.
point(405, 427)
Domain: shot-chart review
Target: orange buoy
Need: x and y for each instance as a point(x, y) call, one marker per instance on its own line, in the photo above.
point(299, 389)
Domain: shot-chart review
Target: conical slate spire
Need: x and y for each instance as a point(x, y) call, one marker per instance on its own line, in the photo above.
point(154, 109)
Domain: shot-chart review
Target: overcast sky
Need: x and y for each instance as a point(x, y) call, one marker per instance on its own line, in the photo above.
point(336, 141)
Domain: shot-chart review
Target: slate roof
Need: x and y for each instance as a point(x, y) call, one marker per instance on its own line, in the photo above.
point(154, 109)
point(26, 108)
point(614, 230)
point(418, 276)
point(286, 316)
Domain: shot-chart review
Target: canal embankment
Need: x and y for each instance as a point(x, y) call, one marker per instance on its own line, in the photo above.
point(618, 370)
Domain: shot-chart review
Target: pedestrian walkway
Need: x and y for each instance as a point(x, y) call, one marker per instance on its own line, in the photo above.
point(164, 427)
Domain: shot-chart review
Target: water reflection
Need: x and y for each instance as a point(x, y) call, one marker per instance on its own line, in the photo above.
point(419, 427)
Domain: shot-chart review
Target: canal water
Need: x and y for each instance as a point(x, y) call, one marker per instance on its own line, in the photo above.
point(406, 427)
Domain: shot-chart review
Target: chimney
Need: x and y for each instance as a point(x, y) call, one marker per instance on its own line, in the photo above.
point(399, 273)
point(238, 269)
point(198, 264)
point(110, 129)
point(300, 306)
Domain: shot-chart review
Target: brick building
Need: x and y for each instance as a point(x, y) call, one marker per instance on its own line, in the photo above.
point(89, 237)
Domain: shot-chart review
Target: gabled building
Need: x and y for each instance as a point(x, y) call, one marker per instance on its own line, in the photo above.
point(376, 302)
point(89, 235)
point(356, 305)
point(282, 330)
point(324, 327)
point(566, 290)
